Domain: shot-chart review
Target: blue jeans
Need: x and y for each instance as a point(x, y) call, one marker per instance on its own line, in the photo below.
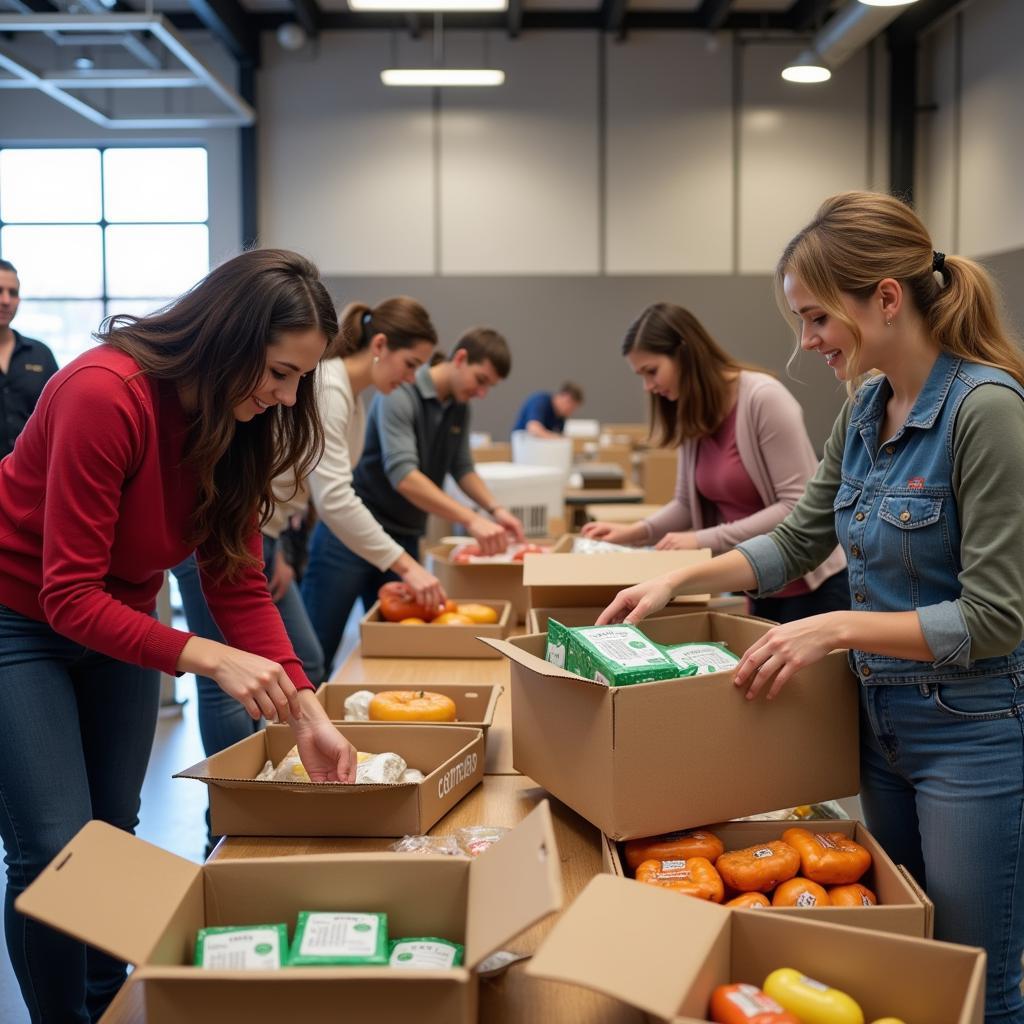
point(942, 787)
point(222, 719)
point(76, 729)
point(335, 578)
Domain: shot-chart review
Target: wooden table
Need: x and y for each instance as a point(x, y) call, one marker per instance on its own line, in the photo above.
point(623, 514)
point(424, 671)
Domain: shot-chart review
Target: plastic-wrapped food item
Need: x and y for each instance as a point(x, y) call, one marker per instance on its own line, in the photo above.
point(256, 947)
point(337, 937)
point(412, 775)
point(698, 659)
point(474, 839)
point(618, 655)
point(446, 845)
point(828, 810)
point(371, 769)
point(357, 706)
point(588, 546)
point(425, 954)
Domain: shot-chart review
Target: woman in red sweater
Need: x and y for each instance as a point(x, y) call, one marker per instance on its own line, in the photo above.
point(161, 440)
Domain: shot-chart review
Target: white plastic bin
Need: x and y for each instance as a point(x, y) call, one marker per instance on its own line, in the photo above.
point(535, 494)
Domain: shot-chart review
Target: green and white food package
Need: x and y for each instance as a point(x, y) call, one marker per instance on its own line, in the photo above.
point(619, 656)
point(257, 947)
point(558, 649)
point(425, 954)
point(700, 659)
point(325, 938)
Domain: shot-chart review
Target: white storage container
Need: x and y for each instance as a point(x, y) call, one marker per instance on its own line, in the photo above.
point(535, 494)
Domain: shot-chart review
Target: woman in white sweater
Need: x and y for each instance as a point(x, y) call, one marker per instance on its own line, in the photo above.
point(378, 347)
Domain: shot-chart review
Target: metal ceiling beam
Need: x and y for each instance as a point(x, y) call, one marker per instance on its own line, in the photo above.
point(714, 13)
point(532, 20)
point(515, 18)
point(806, 15)
point(228, 21)
point(308, 14)
point(613, 17)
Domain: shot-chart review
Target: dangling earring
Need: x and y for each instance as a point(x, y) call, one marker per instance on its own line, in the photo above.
point(888, 323)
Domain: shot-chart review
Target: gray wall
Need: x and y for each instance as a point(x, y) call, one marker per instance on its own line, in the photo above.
point(572, 327)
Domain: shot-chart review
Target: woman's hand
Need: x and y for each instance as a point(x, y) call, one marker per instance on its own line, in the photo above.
point(325, 754)
point(786, 649)
point(513, 526)
point(613, 533)
point(638, 602)
point(261, 686)
point(685, 541)
point(425, 586)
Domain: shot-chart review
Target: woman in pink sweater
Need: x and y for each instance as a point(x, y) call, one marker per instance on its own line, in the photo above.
point(744, 454)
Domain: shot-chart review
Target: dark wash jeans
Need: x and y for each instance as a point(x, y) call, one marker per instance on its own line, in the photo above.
point(76, 730)
point(335, 579)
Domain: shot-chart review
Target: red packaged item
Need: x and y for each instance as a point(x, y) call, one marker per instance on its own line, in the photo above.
point(747, 1004)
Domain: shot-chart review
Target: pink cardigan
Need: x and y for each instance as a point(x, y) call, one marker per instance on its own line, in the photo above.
point(775, 450)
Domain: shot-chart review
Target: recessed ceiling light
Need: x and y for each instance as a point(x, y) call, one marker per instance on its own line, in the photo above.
point(443, 76)
point(428, 5)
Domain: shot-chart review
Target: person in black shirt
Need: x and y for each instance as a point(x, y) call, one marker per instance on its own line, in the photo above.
point(25, 364)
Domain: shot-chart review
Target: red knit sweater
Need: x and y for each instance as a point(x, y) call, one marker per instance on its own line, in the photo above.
point(94, 506)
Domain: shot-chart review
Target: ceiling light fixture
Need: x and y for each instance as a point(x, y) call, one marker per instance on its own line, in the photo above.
point(428, 5)
point(888, 3)
point(807, 68)
point(442, 76)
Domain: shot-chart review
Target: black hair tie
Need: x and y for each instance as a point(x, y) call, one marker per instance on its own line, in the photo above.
point(939, 262)
point(367, 317)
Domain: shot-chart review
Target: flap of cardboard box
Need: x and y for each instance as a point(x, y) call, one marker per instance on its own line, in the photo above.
point(519, 649)
point(112, 890)
point(929, 907)
point(513, 885)
point(616, 569)
point(637, 943)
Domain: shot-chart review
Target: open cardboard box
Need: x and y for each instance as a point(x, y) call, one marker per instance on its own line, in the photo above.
point(474, 705)
point(563, 579)
point(903, 908)
point(144, 905)
point(665, 954)
point(502, 580)
point(451, 759)
point(646, 759)
point(381, 639)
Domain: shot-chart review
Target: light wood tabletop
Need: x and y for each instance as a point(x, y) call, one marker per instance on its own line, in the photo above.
point(424, 671)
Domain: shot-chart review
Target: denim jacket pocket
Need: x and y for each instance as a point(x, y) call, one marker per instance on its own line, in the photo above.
point(981, 700)
point(845, 496)
point(908, 513)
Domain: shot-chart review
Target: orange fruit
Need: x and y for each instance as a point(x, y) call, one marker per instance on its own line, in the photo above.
point(452, 619)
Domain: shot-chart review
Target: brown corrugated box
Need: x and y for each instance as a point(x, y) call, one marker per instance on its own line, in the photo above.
point(381, 639)
point(665, 954)
point(646, 759)
point(144, 905)
point(903, 908)
point(503, 581)
point(563, 579)
point(658, 470)
point(474, 705)
point(537, 620)
point(451, 759)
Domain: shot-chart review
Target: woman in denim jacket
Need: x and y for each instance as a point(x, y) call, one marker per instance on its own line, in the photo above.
point(922, 484)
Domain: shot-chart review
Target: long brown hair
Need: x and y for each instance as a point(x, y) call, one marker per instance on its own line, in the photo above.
point(705, 370)
point(403, 321)
point(211, 344)
point(857, 239)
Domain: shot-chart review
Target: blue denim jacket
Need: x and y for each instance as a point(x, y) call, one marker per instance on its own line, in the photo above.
point(897, 519)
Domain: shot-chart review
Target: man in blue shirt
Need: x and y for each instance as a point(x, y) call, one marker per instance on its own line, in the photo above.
point(544, 414)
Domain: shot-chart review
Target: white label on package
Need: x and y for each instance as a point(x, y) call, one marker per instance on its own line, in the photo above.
point(423, 955)
point(340, 935)
point(707, 657)
point(556, 655)
point(623, 646)
point(256, 949)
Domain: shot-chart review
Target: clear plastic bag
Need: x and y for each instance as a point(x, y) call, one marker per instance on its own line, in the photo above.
point(447, 845)
point(474, 839)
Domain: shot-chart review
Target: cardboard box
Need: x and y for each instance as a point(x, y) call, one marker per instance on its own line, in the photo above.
point(495, 451)
point(658, 470)
point(452, 760)
point(537, 620)
point(144, 905)
point(381, 639)
point(665, 954)
point(503, 581)
point(646, 759)
point(903, 907)
point(563, 579)
point(474, 705)
point(636, 432)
